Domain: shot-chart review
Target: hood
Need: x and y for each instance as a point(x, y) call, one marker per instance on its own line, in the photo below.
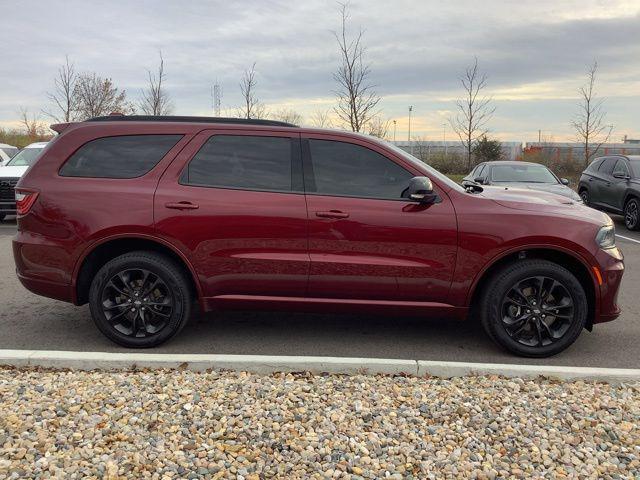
point(542, 202)
point(13, 172)
point(556, 188)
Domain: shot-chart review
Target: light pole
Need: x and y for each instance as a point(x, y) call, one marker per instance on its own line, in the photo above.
point(444, 139)
point(394, 130)
point(409, 135)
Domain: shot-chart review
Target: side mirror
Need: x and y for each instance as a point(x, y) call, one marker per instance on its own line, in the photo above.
point(479, 180)
point(621, 175)
point(420, 190)
point(564, 181)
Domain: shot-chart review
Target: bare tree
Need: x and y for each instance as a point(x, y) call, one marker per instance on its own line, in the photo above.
point(97, 96)
point(378, 127)
point(589, 123)
point(252, 108)
point(287, 115)
point(155, 100)
point(474, 110)
point(62, 96)
point(357, 99)
point(321, 119)
point(32, 126)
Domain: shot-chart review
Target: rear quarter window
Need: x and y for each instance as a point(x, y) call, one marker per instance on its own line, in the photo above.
point(127, 156)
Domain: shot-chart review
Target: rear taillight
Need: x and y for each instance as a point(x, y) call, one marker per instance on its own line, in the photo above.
point(25, 200)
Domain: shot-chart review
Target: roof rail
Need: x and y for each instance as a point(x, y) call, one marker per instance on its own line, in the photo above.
point(174, 118)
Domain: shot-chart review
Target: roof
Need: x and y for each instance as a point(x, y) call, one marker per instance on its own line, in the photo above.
point(177, 118)
point(509, 162)
point(6, 145)
point(37, 145)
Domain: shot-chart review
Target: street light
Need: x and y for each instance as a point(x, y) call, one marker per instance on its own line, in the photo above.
point(409, 135)
point(444, 139)
point(394, 130)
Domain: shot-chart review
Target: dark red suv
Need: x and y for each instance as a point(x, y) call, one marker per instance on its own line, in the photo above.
point(141, 216)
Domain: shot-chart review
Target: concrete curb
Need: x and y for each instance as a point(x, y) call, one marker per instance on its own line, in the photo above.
point(264, 364)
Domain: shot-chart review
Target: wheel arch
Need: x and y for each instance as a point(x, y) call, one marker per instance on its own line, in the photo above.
point(95, 256)
point(576, 265)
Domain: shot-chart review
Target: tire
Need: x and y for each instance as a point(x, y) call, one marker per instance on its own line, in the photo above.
point(138, 320)
point(632, 214)
point(498, 308)
point(584, 195)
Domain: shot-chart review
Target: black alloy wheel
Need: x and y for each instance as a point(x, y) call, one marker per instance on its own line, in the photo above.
point(140, 299)
point(632, 214)
point(537, 311)
point(137, 302)
point(533, 307)
point(584, 195)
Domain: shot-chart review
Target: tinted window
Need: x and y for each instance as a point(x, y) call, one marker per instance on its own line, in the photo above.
point(246, 162)
point(607, 165)
point(119, 157)
point(621, 167)
point(345, 169)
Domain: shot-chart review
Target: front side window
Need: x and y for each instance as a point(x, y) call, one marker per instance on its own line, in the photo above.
point(127, 156)
point(242, 162)
point(621, 168)
point(345, 169)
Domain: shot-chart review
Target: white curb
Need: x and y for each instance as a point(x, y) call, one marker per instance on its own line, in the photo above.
point(265, 364)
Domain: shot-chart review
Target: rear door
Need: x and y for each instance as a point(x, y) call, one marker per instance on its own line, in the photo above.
point(366, 241)
point(600, 181)
point(614, 192)
point(233, 202)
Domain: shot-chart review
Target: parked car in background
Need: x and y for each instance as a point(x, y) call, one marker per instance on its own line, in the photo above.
point(525, 175)
point(6, 152)
point(612, 183)
point(140, 216)
point(11, 172)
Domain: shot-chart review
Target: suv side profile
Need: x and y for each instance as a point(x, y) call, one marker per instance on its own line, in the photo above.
point(142, 216)
point(612, 184)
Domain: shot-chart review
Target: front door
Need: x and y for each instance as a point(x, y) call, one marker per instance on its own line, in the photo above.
point(233, 202)
point(365, 241)
point(613, 195)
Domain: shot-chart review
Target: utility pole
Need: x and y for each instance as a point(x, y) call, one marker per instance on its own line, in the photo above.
point(409, 135)
point(394, 130)
point(216, 98)
point(539, 136)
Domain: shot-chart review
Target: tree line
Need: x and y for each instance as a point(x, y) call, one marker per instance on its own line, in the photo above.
point(77, 96)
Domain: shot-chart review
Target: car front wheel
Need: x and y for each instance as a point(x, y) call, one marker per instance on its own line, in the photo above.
point(140, 299)
point(534, 308)
point(632, 214)
point(584, 195)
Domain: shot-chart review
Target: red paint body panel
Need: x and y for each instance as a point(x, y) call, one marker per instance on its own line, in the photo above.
point(248, 249)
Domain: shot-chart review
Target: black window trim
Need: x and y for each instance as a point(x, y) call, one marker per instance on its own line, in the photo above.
point(297, 180)
point(182, 138)
point(308, 175)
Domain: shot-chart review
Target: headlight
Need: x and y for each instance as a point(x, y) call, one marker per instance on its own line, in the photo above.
point(606, 237)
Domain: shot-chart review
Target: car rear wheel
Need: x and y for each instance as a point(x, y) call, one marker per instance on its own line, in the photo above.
point(140, 299)
point(632, 214)
point(534, 308)
point(584, 195)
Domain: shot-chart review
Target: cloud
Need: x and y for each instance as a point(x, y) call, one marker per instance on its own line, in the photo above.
point(533, 51)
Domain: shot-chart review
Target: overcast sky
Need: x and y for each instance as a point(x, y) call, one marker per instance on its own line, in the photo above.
point(535, 54)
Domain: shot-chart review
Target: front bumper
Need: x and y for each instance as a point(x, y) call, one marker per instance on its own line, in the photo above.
point(611, 266)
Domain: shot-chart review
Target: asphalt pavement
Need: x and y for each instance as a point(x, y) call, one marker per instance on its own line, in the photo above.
point(28, 321)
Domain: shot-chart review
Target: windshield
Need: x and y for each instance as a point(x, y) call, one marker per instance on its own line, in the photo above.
point(422, 165)
point(635, 165)
point(9, 151)
point(522, 173)
point(25, 158)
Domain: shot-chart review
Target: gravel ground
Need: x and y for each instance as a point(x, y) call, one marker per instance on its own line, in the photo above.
point(180, 424)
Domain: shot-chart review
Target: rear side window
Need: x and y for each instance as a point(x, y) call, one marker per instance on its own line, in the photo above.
point(345, 169)
point(127, 156)
point(242, 162)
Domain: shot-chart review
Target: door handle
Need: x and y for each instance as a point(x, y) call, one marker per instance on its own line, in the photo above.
point(181, 205)
point(332, 214)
